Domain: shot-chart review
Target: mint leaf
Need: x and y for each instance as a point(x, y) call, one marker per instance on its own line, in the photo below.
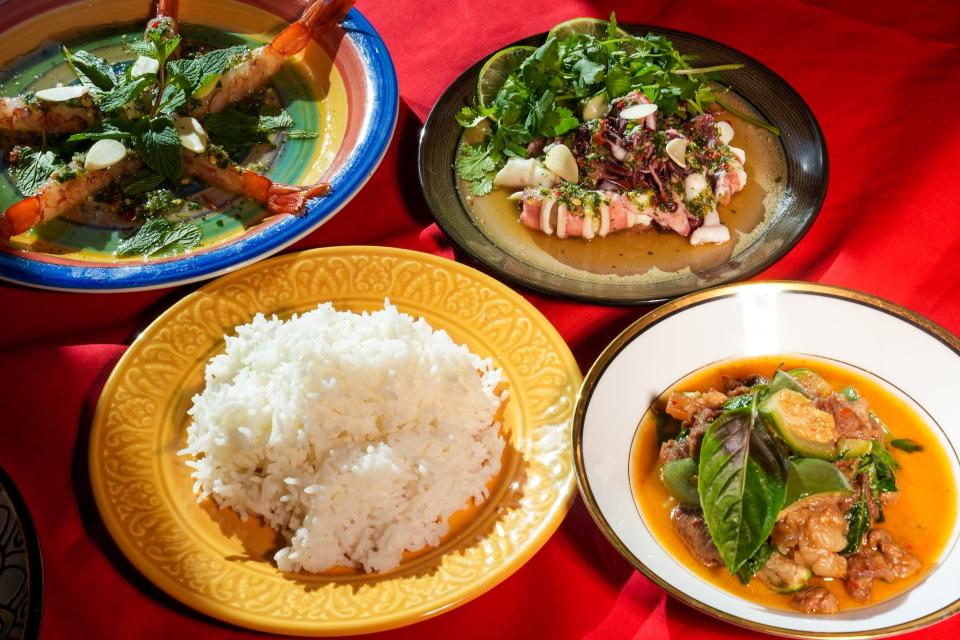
point(121, 95)
point(159, 146)
point(274, 123)
point(32, 168)
point(234, 128)
point(183, 237)
point(93, 72)
point(302, 134)
point(160, 236)
point(165, 47)
point(150, 235)
point(174, 97)
point(142, 48)
point(194, 73)
point(141, 182)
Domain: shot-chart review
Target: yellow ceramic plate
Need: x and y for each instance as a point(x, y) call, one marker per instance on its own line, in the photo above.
point(209, 560)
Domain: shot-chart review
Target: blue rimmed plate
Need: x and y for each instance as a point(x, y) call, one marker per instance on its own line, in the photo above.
point(342, 85)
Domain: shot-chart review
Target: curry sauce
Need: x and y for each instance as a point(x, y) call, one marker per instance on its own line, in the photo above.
point(921, 520)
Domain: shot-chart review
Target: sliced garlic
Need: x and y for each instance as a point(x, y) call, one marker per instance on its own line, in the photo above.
point(191, 134)
point(725, 133)
point(638, 111)
point(739, 154)
point(516, 196)
point(677, 150)
point(144, 65)
point(62, 94)
point(596, 107)
point(560, 160)
point(104, 154)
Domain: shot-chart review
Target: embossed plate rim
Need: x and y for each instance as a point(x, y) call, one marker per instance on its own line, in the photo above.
point(430, 603)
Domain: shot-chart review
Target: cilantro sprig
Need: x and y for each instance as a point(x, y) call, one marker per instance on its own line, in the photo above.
point(544, 95)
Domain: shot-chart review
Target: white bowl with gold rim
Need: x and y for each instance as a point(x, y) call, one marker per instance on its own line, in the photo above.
point(910, 357)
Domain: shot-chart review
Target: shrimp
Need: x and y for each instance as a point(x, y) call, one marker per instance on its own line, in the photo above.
point(216, 170)
point(251, 74)
point(58, 195)
point(23, 115)
point(19, 115)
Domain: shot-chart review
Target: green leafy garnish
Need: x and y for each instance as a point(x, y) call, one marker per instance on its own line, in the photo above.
point(755, 562)
point(544, 95)
point(160, 236)
point(32, 168)
point(93, 72)
point(193, 73)
point(302, 134)
point(159, 146)
point(125, 93)
point(141, 182)
point(476, 166)
point(233, 128)
point(858, 524)
point(906, 444)
point(742, 483)
point(879, 467)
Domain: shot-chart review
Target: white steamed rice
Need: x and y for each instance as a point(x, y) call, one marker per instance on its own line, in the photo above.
point(354, 435)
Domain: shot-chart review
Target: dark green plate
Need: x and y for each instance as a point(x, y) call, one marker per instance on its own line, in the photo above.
point(804, 186)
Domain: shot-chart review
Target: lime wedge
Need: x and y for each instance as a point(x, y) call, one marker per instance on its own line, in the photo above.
point(590, 26)
point(496, 70)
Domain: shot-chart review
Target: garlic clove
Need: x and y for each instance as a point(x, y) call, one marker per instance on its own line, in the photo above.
point(725, 132)
point(144, 65)
point(739, 154)
point(104, 154)
point(560, 160)
point(638, 111)
point(677, 150)
point(596, 107)
point(191, 134)
point(543, 177)
point(62, 94)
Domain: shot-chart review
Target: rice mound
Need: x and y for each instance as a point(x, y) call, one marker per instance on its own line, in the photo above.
point(354, 435)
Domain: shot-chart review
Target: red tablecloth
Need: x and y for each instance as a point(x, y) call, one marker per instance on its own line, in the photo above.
point(881, 77)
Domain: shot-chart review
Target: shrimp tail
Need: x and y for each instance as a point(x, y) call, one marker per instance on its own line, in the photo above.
point(168, 8)
point(280, 198)
point(20, 216)
point(319, 16)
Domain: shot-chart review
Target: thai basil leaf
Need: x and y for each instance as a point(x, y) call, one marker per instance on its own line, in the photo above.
point(141, 182)
point(742, 483)
point(783, 380)
point(858, 524)
point(738, 402)
point(755, 562)
point(906, 444)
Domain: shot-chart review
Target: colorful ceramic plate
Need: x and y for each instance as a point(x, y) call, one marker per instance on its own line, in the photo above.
point(918, 362)
point(343, 86)
point(212, 562)
point(21, 570)
point(782, 198)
